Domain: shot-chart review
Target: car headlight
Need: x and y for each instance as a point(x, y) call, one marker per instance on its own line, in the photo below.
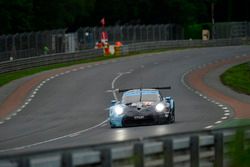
point(118, 110)
point(159, 107)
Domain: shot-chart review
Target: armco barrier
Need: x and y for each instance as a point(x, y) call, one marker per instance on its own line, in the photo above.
point(25, 63)
point(146, 46)
point(19, 64)
point(207, 148)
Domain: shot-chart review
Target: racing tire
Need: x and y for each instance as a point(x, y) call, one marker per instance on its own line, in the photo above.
point(171, 117)
point(111, 125)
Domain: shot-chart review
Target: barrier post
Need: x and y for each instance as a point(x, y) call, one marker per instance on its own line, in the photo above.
point(106, 157)
point(23, 162)
point(194, 151)
point(66, 159)
point(138, 155)
point(168, 153)
point(218, 149)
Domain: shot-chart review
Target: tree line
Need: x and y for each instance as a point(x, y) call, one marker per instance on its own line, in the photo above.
point(34, 15)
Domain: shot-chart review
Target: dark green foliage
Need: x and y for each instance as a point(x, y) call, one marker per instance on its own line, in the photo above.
point(238, 78)
point(239, 150)
point(32, 15)
point(194, 31)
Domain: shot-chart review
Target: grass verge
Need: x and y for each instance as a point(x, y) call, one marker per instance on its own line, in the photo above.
point(234, 123)
point(238, 78)
point(6, 78)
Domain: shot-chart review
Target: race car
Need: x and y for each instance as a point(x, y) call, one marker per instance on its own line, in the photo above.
point(141, 107)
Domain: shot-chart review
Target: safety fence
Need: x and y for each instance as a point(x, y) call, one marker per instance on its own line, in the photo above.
point(59, 41)
point(25, 63)
point(31, 44)
point(87, 36)
point(31, 62)
point(35, 44)
point(231, 30)
point(147, 46)
point(207, 148)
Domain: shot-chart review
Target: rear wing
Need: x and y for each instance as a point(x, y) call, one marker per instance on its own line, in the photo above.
point(158, 88)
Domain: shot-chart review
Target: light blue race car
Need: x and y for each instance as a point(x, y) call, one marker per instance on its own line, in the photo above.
point(142, 107)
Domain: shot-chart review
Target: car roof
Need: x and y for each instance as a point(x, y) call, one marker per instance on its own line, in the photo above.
point(137, 92)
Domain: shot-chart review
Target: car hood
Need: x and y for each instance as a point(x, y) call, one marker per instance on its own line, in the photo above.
point(138, 106)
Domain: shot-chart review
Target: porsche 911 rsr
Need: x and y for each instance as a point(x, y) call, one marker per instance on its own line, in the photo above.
point(141, 107)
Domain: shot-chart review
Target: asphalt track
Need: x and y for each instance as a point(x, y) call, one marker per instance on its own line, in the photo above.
point(70, 108)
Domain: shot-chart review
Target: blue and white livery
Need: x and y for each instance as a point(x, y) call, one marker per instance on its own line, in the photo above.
point(141, 107)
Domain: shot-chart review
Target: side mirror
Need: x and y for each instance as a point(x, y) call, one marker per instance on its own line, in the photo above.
point(113, 102)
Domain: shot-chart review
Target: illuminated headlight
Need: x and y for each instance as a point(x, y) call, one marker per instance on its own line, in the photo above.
point(159, 107)
point(118, 110)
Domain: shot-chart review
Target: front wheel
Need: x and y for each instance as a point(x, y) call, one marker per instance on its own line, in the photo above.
point(112, 125)
point(171, 117)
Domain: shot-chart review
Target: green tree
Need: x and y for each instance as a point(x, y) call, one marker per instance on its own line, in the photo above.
point(15, 16)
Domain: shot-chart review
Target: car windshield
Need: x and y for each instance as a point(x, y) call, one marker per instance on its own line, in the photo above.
point(138, 96)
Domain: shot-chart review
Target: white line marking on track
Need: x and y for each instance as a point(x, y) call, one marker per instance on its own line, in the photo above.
point(1, 122)
point(22, 107)
point(14, 114)
point(113, 85)
point(223, 107)
point(54, 139)
point(218, 122)
point(209, 127)
point(74, 134)
point(37, 88)
point(104, 125)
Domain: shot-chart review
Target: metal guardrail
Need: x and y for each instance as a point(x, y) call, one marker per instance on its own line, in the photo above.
point(32, 44)
point(146, 46)
point(19, 64)
point(207, 148)
point(231, 30)
point(23, 45)
point(165, 150)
